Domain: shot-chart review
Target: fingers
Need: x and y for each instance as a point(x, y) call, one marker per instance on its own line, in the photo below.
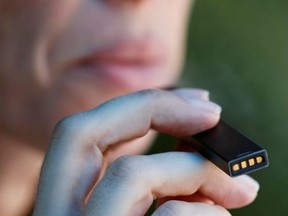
point(74, 158)
point(134, 181)
point(180, 208)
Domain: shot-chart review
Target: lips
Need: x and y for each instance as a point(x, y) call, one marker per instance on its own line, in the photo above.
point(129, 64)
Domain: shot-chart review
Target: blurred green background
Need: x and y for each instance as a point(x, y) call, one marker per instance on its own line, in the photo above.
point(238, 50)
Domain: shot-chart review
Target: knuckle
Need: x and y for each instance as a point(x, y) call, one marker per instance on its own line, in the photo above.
point(127, 168)
point(68, 126)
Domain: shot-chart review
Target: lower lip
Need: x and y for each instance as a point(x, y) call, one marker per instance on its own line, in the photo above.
point(128, 76)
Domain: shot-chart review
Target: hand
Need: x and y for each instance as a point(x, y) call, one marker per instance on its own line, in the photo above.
point(70, 182)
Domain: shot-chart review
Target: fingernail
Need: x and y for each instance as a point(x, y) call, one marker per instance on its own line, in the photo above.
point(206, 105)
point(205, 94)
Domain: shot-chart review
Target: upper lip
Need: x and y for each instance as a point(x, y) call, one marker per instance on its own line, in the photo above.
point(130, 52)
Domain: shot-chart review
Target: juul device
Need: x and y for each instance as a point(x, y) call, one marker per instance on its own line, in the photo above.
point(228, 149)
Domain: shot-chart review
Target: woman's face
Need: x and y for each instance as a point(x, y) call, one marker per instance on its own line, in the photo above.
point(64, 56)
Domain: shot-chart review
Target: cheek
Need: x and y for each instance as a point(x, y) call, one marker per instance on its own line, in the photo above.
point(171, 24)
point(27, 30)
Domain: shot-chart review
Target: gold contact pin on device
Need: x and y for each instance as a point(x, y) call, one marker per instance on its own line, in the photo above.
point(251, 162)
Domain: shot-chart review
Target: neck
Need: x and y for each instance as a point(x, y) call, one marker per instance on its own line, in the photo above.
point(19, 170)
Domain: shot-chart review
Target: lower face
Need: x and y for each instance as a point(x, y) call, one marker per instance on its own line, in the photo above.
point(61, 57)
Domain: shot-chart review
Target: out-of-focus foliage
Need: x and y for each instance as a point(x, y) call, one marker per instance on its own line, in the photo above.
point(239, 51)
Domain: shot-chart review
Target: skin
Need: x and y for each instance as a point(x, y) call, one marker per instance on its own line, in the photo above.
point(46, 76)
